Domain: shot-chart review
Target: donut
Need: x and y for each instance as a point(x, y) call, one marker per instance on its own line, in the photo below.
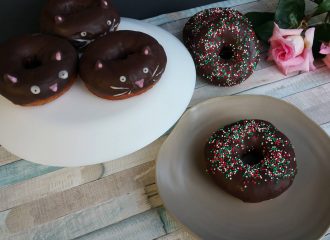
point(80, 21)
point(251, 160)
point(122, 65)
point(36, 69)
point(223, 45)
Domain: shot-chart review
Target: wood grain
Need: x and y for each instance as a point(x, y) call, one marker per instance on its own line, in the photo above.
point(181, 234)
point(88, 220)
point(67, 178)
point(310, 102)
point(144, 226)
point(288, 86)
point(22, 170)
point(326, 127)
point(48, 184)
point(117, 199)
point(67, 202)
point(259, 78)
point(6, 157)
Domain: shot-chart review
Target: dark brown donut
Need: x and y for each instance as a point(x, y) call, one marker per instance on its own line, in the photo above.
point(223, 45)
point(251, 159)
point(122, 65)
point(36, 69)
point(80, 21)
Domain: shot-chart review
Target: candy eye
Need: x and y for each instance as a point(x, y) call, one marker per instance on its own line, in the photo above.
point(83, 34)
point(122, 79)
point(145, 70)
point(35, 90)
point(109, 22)
point(63, 74)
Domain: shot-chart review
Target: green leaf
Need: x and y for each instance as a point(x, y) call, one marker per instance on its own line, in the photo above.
point(259, 18)
point(263, 24)
point(317, 1)
point(265, 31)
point(323, 7)
point(322, 34)
point(290, 13)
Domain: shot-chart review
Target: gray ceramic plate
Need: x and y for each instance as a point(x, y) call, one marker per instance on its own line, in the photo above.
point(302, 212)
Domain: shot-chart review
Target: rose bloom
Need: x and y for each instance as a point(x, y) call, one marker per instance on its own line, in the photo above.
point(291, 51)
point(325, 49)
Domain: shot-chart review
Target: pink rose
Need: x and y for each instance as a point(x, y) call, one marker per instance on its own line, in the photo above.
point(325, 49)
point(290, 51)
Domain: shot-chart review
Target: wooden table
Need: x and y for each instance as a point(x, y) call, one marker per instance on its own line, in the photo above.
point(118, 199)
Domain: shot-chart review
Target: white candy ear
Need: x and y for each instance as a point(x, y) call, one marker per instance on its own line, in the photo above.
point(98, 65)
point(104, 4)
point(58, 19)
point(58, 56)
point(10, 78)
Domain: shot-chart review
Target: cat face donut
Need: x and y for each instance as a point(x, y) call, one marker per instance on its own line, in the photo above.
point(80, 21)
point(122, 65)
point(251, 159)
point(223, 45)
point(36, 69)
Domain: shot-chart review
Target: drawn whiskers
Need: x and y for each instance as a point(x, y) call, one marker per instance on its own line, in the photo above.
point(126, 91)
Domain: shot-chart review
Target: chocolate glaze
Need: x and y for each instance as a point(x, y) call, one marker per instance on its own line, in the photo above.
point(254, 189)
point(81, 21)
point(223, 45)
point(35, 67)
point(122, 64)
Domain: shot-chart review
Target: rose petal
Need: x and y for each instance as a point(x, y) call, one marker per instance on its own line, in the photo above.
point(286, 32)
point(325, 48)
point(298, 43)
point(309, 37)
point(305, 63)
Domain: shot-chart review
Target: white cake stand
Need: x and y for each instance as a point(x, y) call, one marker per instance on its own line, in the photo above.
point(81, 129)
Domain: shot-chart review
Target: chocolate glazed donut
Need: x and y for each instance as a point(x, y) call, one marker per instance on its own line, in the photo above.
point(80, 21)
point(251, 160)
point(36, 69)
point(122, 65)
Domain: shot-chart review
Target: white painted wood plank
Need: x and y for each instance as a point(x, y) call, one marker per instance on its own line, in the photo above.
point(60, 204)
point(289, 86)
point(45, 185)
point(314, 103)
point(181, 234)
point(146, 226)
point(175, 16)
point(144, 155)
point(7, 157)
point(21, 170)
point(326, 127)
point(88, 220)
point(67, 178)
point(259, 78)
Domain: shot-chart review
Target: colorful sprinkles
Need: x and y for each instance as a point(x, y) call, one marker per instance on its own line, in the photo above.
point(211, 32)
point(226, 147)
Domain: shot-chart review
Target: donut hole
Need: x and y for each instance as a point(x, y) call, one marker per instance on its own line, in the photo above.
point(252, 157)
point(125, 55)
point(31, 62)
point(226, 52)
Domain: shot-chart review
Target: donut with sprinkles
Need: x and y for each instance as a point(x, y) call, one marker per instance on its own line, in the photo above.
point(223, 45)
point(251, 159)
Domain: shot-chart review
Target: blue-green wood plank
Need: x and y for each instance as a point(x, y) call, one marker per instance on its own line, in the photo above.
point(22, 170)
